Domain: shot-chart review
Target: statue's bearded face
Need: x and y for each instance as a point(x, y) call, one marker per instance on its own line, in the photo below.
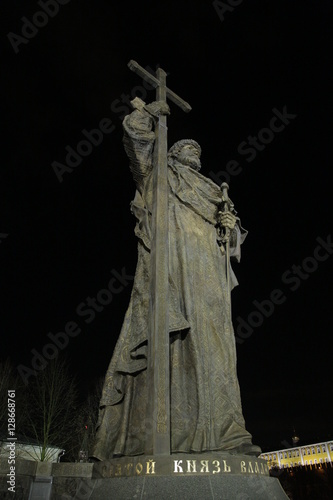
point(190, 155)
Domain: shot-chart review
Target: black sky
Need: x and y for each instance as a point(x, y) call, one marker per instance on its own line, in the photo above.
point(61, 240)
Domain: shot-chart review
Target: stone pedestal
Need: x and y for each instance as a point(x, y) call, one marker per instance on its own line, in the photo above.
point(184, 477)
point(176, 477)
point(233, 487)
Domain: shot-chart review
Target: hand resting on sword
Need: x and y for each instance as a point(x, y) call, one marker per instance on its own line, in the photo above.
point(227, 219)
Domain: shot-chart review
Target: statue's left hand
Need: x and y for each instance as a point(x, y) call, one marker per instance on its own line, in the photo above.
point(157, 108)
point(227, 219)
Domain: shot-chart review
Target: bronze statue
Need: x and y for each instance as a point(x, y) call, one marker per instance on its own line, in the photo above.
point(205, 405)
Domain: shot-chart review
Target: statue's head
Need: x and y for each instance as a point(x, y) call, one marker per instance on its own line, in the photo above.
point(187, 152)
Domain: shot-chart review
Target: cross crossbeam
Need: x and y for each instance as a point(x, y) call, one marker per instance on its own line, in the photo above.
point(155, 82)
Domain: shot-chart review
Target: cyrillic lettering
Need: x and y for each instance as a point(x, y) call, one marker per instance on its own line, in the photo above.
point(178, 468)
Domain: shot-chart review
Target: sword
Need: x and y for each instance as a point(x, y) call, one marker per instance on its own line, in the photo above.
point(226, 205)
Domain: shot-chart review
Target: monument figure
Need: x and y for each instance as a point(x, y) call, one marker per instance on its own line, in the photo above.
point(172, 386)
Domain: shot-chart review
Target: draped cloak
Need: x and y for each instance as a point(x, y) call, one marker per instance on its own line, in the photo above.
point(205, 405)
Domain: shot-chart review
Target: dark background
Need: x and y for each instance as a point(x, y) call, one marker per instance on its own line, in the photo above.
point(59, 241)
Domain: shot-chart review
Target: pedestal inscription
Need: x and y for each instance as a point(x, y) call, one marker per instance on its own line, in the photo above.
point(181, 465)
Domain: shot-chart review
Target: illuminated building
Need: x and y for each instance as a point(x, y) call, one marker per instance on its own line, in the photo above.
point(311, 454)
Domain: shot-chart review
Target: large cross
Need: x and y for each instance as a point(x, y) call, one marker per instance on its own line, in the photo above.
point(158, 368)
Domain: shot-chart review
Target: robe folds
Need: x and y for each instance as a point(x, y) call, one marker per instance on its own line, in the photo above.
point(205, 404)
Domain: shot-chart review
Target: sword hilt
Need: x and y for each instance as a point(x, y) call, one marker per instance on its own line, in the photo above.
point(226, 200)
point(225, 208)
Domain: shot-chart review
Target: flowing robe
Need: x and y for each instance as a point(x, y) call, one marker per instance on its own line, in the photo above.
point(205, 405)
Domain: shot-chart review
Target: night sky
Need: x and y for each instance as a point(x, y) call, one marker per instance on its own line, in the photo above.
point(257, 75)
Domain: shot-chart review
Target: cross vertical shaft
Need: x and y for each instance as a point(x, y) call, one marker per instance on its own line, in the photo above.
point(158, 440)
point(158, 418)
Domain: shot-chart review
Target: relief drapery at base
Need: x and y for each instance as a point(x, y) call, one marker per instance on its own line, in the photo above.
point(205, 405)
